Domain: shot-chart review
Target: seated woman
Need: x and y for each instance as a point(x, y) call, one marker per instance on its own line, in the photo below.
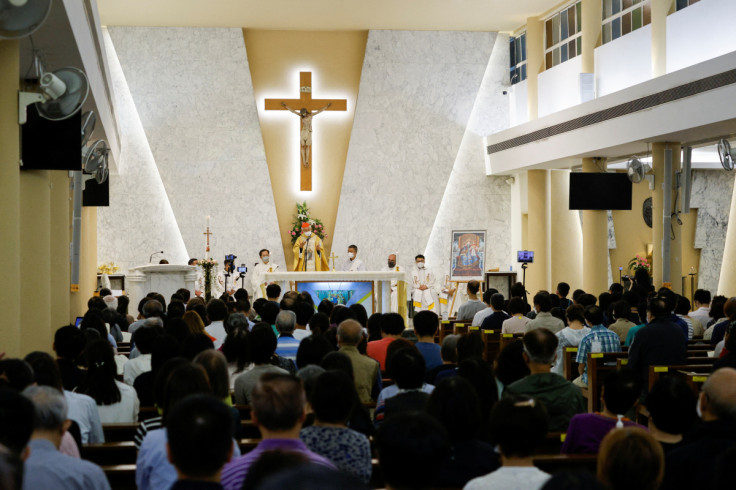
point(621, 391)
point(671, 404)
point(518, 427)
point(333, 399)
point(116, 401)
point(455, 404)
point(571, 335)
point(630, 458)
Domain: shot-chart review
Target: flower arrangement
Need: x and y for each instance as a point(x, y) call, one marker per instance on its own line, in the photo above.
point(640, 262)
point(209, 266)
point(107, 268)
point(303, 216)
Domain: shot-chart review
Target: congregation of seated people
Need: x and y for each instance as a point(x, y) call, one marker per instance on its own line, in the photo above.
point(631, 388)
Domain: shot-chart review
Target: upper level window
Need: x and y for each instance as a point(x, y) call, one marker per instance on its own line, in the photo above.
point(517, 47)
point(562, 39)
point(620, 17)
point(681, 4)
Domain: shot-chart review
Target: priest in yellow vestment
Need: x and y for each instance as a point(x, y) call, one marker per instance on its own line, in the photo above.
point(309, 252)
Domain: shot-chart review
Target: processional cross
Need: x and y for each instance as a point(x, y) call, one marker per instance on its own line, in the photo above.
point(333, 258)
point(306, 108)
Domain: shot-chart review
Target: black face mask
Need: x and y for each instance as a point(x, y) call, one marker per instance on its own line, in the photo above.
point(391, 263)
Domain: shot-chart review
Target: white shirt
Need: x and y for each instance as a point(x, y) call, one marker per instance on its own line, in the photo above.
point(136, 366)
point(82, 409)
point(702, 314)
point(510, 478)
point(482, 315)
point(256, 278)
point(300, 334)
point(354, 265)
point(217, 330)
point(123, 412)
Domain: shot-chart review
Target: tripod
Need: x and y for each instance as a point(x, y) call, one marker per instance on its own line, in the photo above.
point(524, 266)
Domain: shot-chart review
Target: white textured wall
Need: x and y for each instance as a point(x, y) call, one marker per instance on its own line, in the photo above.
point(711, 195)
point(193, 91)
point(139, 220)
point(417, 91)
point(472, 200)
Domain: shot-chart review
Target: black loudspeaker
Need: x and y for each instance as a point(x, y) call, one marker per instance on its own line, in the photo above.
point(96, 194)
point(51, 145)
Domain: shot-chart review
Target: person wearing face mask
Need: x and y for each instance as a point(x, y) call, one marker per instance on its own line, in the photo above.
point(352, 263)
point(309, 252)
point(396, 291)
point(264, 265)
point(422, 286)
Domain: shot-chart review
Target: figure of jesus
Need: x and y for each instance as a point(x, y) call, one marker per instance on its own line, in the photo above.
point(306, 130)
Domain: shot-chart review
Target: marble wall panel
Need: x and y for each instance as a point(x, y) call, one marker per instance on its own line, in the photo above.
point(711, 195)
point(416, 95)
point(193, 91)
point(140, 220)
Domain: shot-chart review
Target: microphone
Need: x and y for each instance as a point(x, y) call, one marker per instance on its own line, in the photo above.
point(154, 253)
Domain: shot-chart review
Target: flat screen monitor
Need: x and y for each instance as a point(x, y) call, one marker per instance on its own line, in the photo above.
point(600, 191)
point(525, 256)
point(51, 145)
point(340, 292)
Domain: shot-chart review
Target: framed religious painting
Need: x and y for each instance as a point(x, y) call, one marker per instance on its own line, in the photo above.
point(468, 258)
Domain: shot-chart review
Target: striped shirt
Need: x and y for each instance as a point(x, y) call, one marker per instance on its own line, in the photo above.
point(287, 346)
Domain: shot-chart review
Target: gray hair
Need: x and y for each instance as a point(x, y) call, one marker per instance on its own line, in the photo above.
point(236, 321)
point(720, 390)
point(50, 407)
point(152, 308)
point(111, 301)
point(286, 321)
point(448, 351)
point(154, 321)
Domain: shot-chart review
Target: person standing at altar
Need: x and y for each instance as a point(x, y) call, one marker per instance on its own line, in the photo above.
point(309, 252)
point(223, 276)
point(257, 283)
point(199, 281)
point(352, 263)
point(392, 267)
point(422, 286)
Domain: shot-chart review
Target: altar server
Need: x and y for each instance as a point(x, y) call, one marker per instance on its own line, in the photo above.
point(422, 286)
point(352, 263)
point(258, 285)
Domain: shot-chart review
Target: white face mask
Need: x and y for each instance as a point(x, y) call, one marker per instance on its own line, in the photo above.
point(420, 265)
point(266, 258)
point(307, 234)
point(351, 255)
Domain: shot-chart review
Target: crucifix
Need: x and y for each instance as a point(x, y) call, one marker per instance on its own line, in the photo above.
point(306, 108)
point(207, 234)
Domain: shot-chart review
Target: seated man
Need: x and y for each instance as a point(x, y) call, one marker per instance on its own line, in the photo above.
point(278, 410)
point(543, 318)
point(425, 326)
point(561, 398)
point(197, 422)
point(600, 339)
point(495, 320)
point(708, 441)
point(287, 345)
point(366, 371)
point(468, 309)
point(46, 467)
point(411, 448)
point(485, 312)
point(262, 343)
point(392, 324)
point(410, 392)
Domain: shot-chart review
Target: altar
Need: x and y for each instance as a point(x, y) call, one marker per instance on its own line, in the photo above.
point(165, 279)
point(372, 289)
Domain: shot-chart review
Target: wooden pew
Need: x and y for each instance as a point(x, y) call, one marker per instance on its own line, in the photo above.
point(552, 443)
point(446, 328)
point(555, 463)
point(599, 365)
point(120, 476)
point(569, 363)
point(492, 344)
point(109, 453)
point(119, 432)
point(699, 371)
point(507, 338)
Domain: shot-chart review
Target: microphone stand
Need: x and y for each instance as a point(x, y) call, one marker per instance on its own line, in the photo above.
point(304, 253)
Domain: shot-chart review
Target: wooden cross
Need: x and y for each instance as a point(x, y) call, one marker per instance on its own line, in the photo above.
point(312, 107)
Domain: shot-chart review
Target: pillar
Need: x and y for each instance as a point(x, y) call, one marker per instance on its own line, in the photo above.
point(595, 241)
point(659, 233)
point(35, 261)
point(87, 263)
point(60, 239)
point(534, 63)
point(590, 23)
point(727, 281)
point(10, 197)
point(660, 10)
point(537, 275)
point(566, 236)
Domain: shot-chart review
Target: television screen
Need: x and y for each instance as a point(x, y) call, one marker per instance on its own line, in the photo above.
point(340, 292)
point(525, 256)
point(602, 191)
point(51, 145)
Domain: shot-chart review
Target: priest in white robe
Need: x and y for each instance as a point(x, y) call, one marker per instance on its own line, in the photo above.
point(225, 280)
point(309, 252)
point(352, 263)
point(199, 281)
point(258, 285)
point(391, 266)
point(422, 286)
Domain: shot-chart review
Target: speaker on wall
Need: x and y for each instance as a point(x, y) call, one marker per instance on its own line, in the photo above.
point(96, 194)
point(50, 145)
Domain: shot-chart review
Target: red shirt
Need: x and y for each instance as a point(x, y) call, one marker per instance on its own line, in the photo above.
point(377, 350)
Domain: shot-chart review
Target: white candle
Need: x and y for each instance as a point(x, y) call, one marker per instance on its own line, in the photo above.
point(208, 221)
